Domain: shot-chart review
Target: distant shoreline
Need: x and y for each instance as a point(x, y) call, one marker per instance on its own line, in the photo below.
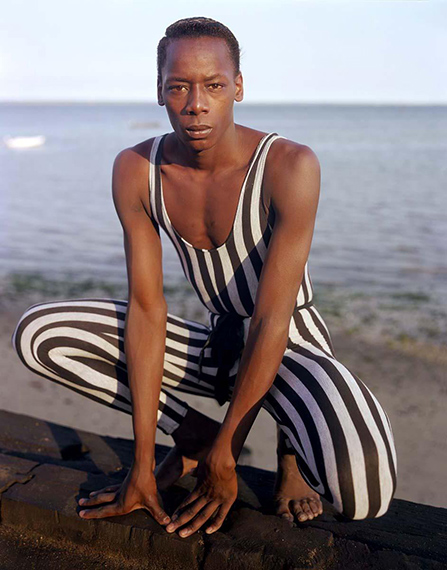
point(398, 317)
point(68, 102)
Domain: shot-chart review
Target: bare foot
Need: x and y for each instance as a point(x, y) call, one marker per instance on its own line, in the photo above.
point(193, 439)
point(292, 495)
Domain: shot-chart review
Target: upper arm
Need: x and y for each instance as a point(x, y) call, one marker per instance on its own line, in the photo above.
point(141, 235)
point(294, 180)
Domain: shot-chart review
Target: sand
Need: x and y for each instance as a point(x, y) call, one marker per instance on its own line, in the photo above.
point(406, 374)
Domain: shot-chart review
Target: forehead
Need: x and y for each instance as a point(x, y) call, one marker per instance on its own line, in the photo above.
point(198, 55)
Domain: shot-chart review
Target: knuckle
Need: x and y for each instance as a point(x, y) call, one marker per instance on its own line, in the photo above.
point(218, 519)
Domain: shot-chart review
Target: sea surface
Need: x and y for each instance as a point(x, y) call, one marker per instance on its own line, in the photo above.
point(381, 226)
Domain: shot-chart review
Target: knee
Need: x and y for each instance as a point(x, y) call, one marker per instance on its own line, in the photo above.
point(24, 333)
point(17, 333)
point(371, 496)
point(367, 511)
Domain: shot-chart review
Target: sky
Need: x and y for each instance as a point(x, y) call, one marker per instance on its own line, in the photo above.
point(308, 51)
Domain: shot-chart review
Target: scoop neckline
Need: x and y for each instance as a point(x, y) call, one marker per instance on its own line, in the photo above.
point(239, 204)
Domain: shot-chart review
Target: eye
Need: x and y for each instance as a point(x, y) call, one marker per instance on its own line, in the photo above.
point(216, 85)
point(176, 87)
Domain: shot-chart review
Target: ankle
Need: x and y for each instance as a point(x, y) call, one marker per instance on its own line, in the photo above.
point(286, 463)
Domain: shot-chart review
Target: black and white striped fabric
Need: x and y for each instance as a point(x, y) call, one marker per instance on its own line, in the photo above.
point(339, 431)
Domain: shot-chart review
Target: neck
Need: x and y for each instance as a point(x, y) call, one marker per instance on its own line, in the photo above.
point(223, 154)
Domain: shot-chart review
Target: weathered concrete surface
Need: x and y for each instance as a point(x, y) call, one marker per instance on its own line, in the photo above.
point(45, 468)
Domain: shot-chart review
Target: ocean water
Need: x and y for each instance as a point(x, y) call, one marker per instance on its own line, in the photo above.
point(381, 226)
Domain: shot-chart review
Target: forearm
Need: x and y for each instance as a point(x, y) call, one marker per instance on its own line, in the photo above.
point(144, 345)
point(259, 365)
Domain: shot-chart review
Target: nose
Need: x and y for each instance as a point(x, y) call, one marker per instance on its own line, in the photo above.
point(197, 101)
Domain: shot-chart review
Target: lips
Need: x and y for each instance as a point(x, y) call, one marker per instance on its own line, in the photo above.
point(200, 127)
point(198, 131)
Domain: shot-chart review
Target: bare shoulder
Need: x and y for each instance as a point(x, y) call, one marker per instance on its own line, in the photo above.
point(131, 176)
point(290, 164)
point(132, 161)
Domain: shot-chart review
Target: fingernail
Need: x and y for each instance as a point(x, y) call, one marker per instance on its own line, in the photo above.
point(82, 513)
point(166, 519)
point(174, 518)
point(81, 501)
point(185, 532)
point(170, 527)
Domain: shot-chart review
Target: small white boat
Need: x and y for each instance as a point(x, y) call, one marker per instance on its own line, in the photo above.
point(24, 142)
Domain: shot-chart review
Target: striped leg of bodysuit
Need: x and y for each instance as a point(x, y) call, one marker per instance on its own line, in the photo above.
point(80, 344)
point(341, 435)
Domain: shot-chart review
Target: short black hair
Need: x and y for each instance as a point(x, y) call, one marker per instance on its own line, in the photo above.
point(197, 27)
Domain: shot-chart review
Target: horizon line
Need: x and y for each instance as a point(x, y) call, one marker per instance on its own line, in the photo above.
point(270, 102)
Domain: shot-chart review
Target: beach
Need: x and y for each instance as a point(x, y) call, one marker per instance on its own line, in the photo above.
point(396, 349)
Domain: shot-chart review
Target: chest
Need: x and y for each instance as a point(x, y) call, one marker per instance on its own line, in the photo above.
point(203, 210)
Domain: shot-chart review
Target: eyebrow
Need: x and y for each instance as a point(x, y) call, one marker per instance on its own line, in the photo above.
point(187, 81)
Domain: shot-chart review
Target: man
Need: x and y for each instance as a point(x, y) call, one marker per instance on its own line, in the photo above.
point(240, 207)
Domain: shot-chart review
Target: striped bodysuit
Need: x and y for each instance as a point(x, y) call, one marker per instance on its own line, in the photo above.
point(340, 433)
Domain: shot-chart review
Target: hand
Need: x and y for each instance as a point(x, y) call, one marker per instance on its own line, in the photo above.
point(214, 493)
point(137, 491)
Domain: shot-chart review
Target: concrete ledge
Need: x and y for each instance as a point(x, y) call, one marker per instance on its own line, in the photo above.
point(46, 467)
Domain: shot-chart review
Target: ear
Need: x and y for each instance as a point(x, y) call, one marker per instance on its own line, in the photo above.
point(239, 82)
point(159, 94)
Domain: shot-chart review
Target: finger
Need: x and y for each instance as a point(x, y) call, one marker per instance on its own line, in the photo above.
point(190, 511)
point(153, 506)
point(200, 519)
point(98, 499)
point(193, 496)
point(107, 511)
point(219, 518)
point(283, 510)
point(105, 490)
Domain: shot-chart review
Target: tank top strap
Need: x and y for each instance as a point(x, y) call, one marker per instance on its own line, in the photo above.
point(260, 167)
point(154, 181)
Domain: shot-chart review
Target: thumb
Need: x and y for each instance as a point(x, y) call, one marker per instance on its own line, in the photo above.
point(157, 511)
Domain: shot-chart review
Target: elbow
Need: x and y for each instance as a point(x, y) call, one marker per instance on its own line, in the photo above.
point(155, 311)
point(275, 326)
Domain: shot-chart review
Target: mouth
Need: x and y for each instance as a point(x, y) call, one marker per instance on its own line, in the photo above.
point(198, 131)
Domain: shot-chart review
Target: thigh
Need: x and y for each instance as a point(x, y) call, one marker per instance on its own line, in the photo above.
point(80, 343)
point(340, 432)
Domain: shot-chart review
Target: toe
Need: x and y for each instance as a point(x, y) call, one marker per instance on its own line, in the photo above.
point(298, 511)
point(316, 507)
point(282, 509)
point(307, 509)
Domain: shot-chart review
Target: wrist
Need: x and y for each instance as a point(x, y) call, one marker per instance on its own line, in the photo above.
point(143, 459)
point(220, 457)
